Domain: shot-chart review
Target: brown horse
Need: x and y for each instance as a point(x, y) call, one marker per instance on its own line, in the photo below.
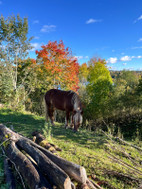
point(66, 101)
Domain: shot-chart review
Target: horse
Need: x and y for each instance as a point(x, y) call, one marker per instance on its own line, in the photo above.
point(67, 101)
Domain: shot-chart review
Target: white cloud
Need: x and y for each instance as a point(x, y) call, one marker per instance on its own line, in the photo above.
point(48, 28)
point(35, 46)
point(126, 58)
point(136, 47)
point(36, 37)
point(139, 56)
point(81, 57)
point(131, 68)
point(140, 40)
point(139, 18)
point(91, 20)
point(112, 60)
point(86, 57)
point(112, 68)
point(36, 22)
point(129, 58)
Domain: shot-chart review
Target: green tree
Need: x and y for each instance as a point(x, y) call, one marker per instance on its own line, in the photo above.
point(124, 94)
point(130, 77)
point(98, 88)
point(5, 85)
point(83, 74)
point(14, 46)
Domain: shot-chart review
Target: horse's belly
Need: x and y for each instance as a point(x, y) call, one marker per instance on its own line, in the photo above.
point(62, 105)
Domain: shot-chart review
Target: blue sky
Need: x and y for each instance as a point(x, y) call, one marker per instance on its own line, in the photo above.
point(110, 29)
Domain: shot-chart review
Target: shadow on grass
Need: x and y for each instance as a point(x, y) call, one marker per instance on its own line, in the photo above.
point(25, 124)
point(83, 137)
point(22, 122)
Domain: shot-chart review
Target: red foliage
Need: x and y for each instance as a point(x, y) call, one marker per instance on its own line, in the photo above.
point(60, 65)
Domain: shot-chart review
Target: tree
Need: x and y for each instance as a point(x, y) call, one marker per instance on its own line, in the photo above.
point(57, 66)
point(5, 85)
point(83, 74)
point(130, 78)
point(98, 88)
point(14, 46)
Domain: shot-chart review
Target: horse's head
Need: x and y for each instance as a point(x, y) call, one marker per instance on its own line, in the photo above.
point(77, 118)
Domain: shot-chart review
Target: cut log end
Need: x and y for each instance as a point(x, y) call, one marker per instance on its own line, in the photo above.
point(67, 183)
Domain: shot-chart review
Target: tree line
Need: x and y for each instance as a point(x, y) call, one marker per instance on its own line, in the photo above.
point(112, 100)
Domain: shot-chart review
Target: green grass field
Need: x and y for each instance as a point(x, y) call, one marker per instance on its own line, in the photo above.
point(107, 162)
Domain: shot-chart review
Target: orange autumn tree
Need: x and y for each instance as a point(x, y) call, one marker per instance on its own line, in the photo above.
point(59, 68)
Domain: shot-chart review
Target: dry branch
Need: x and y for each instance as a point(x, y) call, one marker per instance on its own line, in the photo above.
point(127, 178)
point(126, 143)
point(124, 164)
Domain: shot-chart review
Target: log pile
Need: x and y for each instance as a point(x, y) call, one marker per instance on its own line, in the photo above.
point(40, 139)
point(38, 167)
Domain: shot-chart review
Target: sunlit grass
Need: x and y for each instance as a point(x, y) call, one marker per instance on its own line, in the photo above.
point(92, 150)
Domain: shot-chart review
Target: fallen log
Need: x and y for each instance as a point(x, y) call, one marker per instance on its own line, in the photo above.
point(23, 165)
point(56, 175)
point(40, 139)
point(10, 180)
point(42, 178)
point(75, 171)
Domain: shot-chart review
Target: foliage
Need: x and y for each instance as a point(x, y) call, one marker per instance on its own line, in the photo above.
point(98, 87)
point(5, 85)
point(57, 66)
point(14, 45)
point(47, 131)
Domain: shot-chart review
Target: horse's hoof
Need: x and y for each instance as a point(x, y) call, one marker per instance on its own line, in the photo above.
point(71, 126)
point(66, 127)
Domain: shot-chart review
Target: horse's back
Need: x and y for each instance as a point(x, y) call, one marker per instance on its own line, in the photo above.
point(59, 99)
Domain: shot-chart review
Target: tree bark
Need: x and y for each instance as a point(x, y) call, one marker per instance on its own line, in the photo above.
point(23, 165)
point(10, 180)
point(57, 169)
point(75, 171)
point(56, 175)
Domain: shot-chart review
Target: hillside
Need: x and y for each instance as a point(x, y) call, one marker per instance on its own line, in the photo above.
point(108, 162)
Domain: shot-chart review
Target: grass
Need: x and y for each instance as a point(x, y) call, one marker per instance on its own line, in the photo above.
point(97, 152)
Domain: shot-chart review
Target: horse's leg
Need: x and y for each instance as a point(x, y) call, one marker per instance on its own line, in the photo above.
point(51, 114)
point(72, 124)
point(67, 119)
point(75, 128)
